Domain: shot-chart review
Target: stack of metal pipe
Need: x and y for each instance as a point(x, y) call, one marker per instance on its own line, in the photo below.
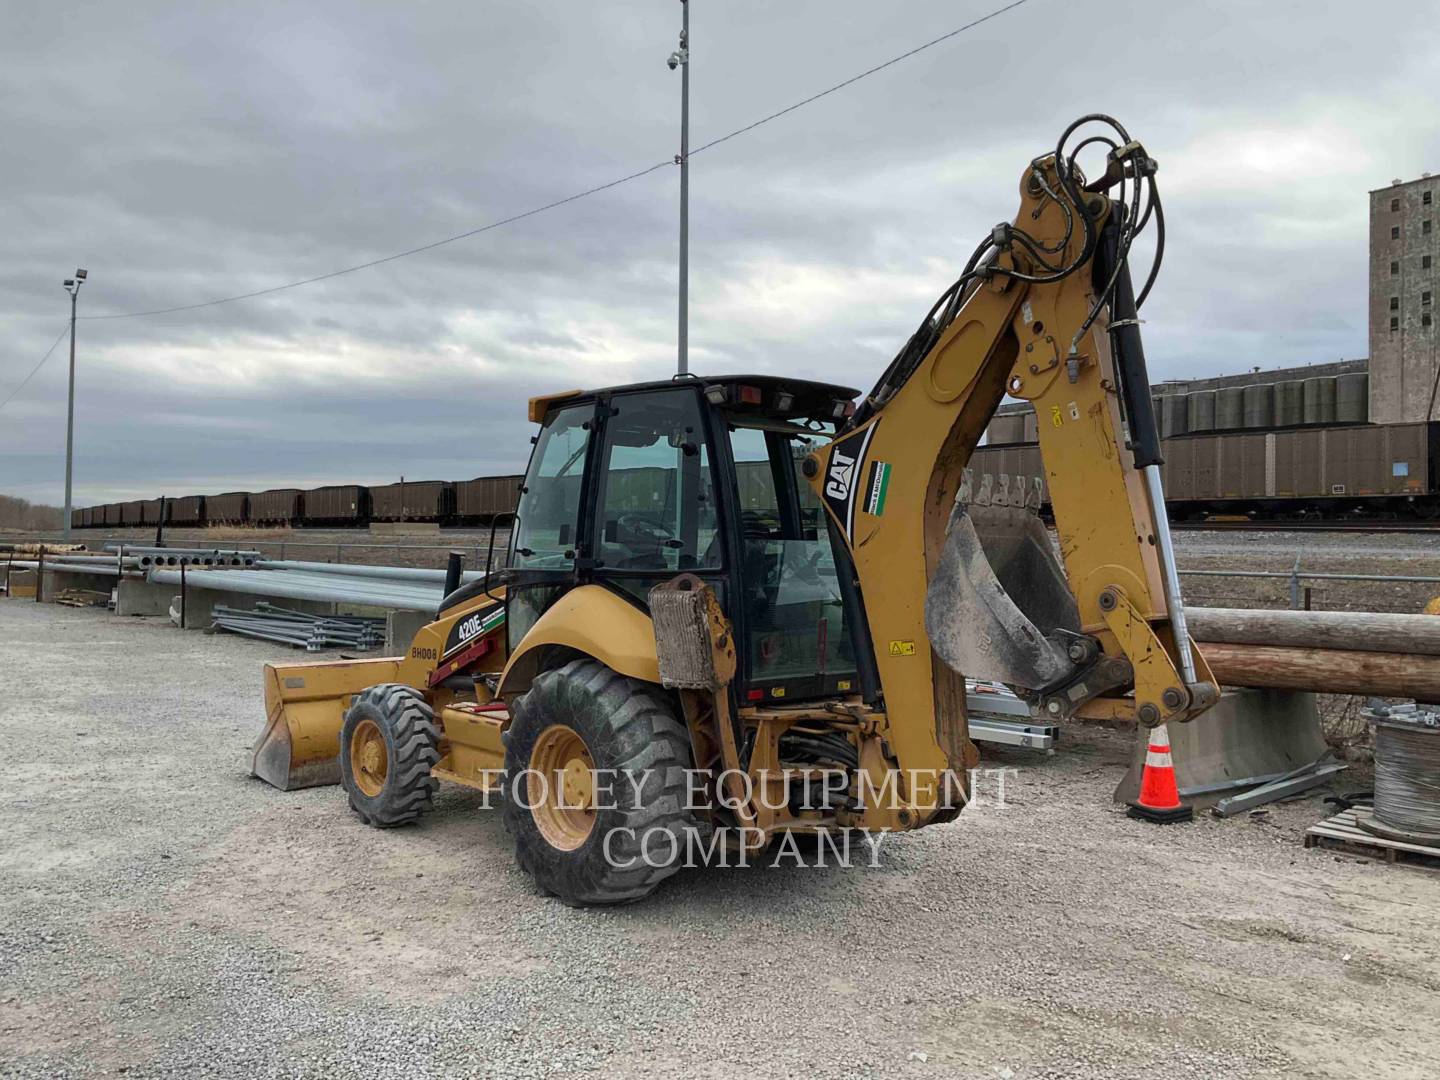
point(178, 556)
point(357, 585)
point(269, 622)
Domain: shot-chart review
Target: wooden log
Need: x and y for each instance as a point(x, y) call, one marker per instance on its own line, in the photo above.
point(1329, 671)
point(1361, 631)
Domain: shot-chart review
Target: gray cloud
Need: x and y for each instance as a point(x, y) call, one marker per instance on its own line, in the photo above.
point(186, 151)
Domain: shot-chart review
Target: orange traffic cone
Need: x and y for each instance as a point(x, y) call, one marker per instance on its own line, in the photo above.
point(1159, 799)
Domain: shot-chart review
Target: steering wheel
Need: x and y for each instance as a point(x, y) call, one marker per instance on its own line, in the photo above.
point(641, 529)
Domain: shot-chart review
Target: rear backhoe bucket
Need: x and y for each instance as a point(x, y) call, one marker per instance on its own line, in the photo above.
point(1249, 738)
point(304, 707)
point(998, 596)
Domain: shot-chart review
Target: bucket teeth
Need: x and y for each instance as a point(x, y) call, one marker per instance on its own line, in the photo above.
point(1037, 489)
point(966, 491)
point(982, 497)
point(1001, 495)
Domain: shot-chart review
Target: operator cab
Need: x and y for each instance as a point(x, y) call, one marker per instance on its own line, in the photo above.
point(629, 486)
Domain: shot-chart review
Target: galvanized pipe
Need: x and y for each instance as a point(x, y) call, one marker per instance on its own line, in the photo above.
point(388, 573)
point(329, 588)
point(65, 568)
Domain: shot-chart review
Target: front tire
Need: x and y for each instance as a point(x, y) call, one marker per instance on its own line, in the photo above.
point(596, 780)
point(388, 744)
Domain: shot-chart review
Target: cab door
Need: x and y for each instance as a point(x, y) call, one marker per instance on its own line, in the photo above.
point(655, 506)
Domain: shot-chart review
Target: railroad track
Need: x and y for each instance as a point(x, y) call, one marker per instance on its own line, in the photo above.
point(1310, 526)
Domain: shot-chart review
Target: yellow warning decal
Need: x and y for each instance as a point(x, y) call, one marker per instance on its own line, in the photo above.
point(902, 648)
point(777, 691)
point(842, 684)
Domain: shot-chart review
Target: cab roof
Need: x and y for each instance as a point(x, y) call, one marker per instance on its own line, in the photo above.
point(765, 394)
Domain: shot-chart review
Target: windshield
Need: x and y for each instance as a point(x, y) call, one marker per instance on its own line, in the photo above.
point(549, 508)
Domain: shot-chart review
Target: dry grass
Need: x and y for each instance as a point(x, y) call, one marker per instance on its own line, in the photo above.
point(247, 532)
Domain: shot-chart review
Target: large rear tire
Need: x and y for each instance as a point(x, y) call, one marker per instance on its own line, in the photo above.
point(596, 785)
point(388, 744)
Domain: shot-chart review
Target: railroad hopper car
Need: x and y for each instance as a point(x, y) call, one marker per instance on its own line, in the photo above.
point(486, 497)
point(149, 512)
point(77, 518)
point(413, 500)
point(189, 510)
point(1329, 472)
point(278, 506)
point(132, 512)
point(231, 508)
point(337, 504)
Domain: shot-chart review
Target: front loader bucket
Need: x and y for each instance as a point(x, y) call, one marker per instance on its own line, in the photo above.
point(304, 708)
point(999, 594)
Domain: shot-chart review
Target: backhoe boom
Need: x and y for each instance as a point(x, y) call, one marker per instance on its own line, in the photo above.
point(1044, 313)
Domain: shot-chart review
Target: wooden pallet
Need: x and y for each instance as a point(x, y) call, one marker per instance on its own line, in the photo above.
point(1342, 833)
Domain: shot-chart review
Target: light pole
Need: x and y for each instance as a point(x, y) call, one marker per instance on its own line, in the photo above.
point(681, 58)
point(72, 286)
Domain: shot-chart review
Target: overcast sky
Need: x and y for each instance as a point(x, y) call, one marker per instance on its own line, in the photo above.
point(182, 152)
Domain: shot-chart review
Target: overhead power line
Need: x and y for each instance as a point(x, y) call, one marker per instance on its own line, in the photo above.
point(390, 258)
point(856, 78)
point(37, 367)
point(569, 198)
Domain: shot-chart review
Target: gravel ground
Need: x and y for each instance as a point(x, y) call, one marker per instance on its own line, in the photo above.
point(161, 914)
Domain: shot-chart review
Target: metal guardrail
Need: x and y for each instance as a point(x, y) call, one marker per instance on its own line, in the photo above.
point(1295, 576)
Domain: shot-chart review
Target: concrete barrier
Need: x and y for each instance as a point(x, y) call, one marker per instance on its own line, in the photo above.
point(57, 581)
point(136, 596)
point(400, 630)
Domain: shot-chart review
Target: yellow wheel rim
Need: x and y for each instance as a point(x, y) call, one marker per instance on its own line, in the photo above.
point(561, 788)
point(369, 760)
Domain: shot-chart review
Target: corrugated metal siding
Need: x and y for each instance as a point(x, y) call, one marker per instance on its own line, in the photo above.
point(1364, 460)
point(188, 511)
point(1006, 429)
point(414, 500)
point(1390, 460)
point(277, 504)
point(227, 509)
point(342, 502)
point(486, 496)
point(1207, 468)
point(1177, 475)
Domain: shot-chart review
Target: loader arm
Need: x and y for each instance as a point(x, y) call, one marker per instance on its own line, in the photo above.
point(1044, 312)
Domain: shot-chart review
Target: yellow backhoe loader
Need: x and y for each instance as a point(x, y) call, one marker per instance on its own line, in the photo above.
point(741, 606)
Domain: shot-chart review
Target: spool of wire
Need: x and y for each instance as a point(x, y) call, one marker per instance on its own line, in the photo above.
point(1407, 774)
